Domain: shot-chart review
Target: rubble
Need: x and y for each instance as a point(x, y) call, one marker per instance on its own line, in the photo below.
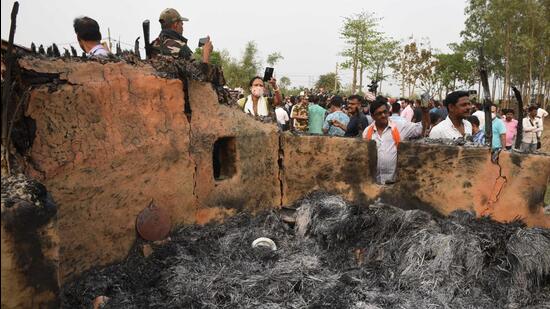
point(349, 256)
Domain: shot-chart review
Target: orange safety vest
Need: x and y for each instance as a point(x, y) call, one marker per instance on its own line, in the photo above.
point(394, 133)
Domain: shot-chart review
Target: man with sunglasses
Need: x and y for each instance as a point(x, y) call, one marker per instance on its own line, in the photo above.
point(387, 136)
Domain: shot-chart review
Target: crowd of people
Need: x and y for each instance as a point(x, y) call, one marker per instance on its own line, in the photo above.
point(387, 121)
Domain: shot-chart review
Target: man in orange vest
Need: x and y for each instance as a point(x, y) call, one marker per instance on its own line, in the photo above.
point(387, 136)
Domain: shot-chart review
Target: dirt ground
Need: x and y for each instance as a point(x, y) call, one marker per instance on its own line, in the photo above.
point(337, 255)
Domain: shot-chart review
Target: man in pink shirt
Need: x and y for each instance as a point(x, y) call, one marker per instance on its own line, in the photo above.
point(511, 125)
point(407, 112)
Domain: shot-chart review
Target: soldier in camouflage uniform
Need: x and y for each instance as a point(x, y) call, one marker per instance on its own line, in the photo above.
point(172, 42)
point(299, 114)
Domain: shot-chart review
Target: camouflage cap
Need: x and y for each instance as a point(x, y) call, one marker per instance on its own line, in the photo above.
point(169, 16)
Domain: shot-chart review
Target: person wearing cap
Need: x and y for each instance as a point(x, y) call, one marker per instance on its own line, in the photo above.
point(89, 37)
point(171, 40)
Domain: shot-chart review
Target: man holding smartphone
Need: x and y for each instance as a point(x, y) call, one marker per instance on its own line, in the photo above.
point(171, 40)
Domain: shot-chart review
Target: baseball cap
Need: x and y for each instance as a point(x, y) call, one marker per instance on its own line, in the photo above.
point(169, 16)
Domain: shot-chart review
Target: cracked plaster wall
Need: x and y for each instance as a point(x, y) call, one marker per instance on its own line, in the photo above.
point(113, 136)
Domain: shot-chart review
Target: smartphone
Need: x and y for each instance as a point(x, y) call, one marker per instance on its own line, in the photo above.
point(203, 41)
point(268, 74)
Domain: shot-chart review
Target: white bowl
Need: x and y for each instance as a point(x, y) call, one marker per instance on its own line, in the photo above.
point(264, 242)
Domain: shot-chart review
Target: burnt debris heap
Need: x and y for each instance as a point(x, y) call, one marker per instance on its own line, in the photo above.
point(336, 256)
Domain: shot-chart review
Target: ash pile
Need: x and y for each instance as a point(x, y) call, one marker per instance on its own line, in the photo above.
point(335, 255)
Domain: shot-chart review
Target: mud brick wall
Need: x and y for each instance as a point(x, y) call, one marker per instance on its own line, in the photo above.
point(339, 165)
point(109, 138)
point(112, 136)
point(435, 178)
point(446, 178)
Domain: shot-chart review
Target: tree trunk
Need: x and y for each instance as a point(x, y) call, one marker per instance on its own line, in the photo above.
point(494, 93)
point(354, 67)
point(546, 94)
point(361, 69)
point(505, 90)
point(527, 96)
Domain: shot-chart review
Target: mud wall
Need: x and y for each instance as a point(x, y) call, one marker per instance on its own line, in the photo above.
point(111, 137)
point(30, 247)
point(447, 178)
point(436, 178)
point(343, 166)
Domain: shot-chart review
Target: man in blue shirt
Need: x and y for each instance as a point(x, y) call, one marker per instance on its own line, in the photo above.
point(499, 130)
point(395, 111)
point(477, 133)
point(336, 114)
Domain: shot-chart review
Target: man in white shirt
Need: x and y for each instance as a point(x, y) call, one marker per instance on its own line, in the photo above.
point(407, 112)
point(532, 126)
point(541, 114)
point(282, 118)
point(455, 125)
point(89, 37)
point(387, 135)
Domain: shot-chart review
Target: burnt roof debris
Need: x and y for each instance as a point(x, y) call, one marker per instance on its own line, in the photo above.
point(55, 50)
point(74, 53)
point(350, 256)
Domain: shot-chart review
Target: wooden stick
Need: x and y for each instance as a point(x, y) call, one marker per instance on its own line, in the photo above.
point(6, 91)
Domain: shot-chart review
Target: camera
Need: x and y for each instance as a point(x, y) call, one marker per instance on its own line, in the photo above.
point(373, 86)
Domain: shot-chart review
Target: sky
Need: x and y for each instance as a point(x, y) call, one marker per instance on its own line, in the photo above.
point(305, 32)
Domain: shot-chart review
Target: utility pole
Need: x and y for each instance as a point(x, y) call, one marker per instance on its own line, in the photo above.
point(109, 38)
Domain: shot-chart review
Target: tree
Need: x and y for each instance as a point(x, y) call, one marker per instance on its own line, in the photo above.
point(284, 83)
point(216, 57)
point(239, 72)
point(273, 58)
point(327, 81)
point(360, 35)
point(514, 36)
point(382, 54)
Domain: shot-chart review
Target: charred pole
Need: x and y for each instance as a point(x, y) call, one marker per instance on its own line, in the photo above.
point(6, 89)
point(487, 99)
point(146, 38)
point(136, 48)
point(519, 134)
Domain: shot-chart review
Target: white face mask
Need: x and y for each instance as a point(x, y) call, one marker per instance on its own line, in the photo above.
point(257, 91)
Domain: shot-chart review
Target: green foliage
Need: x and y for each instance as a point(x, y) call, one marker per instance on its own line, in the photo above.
point(514, 36)
point(284, 83)
point(367, 50)
point(239, 72)
point(216, 57)
point(328, 82)
point(273, 58)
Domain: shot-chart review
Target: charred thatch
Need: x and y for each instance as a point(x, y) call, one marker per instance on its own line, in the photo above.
point(337, 256)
